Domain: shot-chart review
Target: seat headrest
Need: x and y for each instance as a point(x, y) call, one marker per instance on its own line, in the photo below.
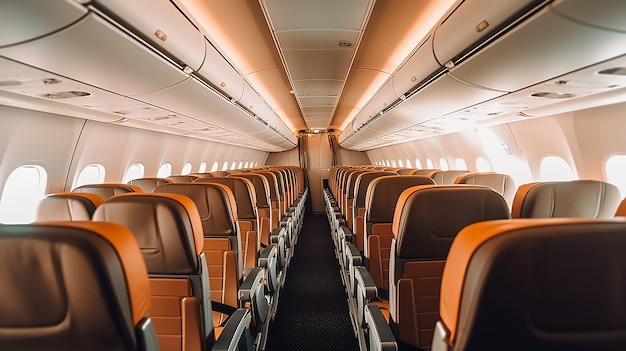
point(577, 198)
point(552, 284)
point(243, 191)
point(351, 182)
point(215, 203)
point(428, 217)
point(67, 207)
point(383, 193)
point(500, 182)
point(148, 184)
point(261, 188)
point(167, 227)
point(188, 178)
point(445, 177)
point(424, 171)
point(273, 184)
point(106, 190)
point(69, 285)
point(362, 182)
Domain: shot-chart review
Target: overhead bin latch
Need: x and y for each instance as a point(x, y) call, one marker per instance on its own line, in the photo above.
point(481, 26)
point(159, 34)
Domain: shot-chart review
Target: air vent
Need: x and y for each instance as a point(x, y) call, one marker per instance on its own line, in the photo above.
point(66, 94)
point(617, 71)
point(160, 118)
point(548, 95)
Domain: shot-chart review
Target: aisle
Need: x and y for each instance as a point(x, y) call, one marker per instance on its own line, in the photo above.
point(312, 311)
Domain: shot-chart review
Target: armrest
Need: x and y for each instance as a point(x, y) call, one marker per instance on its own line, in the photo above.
point(340, 238)
point(441, 337)
point(265, 254)
point(380, 335)
point(269, 260)
point(252, 293)
point(352, 257)
point(236, 333)
point(145, 334)
point(278, 238)
point(345, 234)
point(365, 292)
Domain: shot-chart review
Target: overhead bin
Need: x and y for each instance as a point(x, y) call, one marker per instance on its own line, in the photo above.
point(607, 15)
point(95, 52)
point(548, 45)
point(161, 24)
point(417, 68)
point(191, 98)
point(41, 17)
point(473, 21)
point(384, 98)
point(444, 95)
point(252, 101)
point(221, 74)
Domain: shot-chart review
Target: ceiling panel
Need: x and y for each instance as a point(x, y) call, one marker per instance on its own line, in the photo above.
point(318, 101)
point(296, 14)
point(318, 64)
point(317, 41)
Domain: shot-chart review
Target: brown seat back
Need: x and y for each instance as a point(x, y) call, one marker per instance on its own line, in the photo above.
point(67, 207)
point(274, 197)
point(445, 177)
point(263, 204)
point(502, 183)
point(381, 198)
point(149, 184)
point(222, 246)
point(169, 233)
point(576, 198)
point(248, 218)
point(426, 220)
point(106, 190)
point(535, 284)
point(73, 286)
point(189, 178)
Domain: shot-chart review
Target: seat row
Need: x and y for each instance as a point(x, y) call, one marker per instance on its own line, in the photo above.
point(404, 226)
point(205, 231)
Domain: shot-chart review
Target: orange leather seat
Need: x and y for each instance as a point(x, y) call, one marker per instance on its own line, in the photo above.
point(148, 184)
point(169, 231)
point(67, 207)
point(502, 183)
point(445, 177)
point(188, 178)
point(425, 222)
point(247, 216)
point(73, 286)
point(576, 198)
point(535, 284)
point(106, 190)
point(222, 244)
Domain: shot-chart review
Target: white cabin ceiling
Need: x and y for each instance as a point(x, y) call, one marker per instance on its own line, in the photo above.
point(257, 72)
point(289, 49)
point(317, 41)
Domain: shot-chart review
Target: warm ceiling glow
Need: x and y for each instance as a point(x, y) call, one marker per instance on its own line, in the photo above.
point(424, 22)
point(209, 17)
point(209, 25)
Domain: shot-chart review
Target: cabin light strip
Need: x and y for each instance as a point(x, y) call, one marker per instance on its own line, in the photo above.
point(524, 14)
point(519, 17)
point(186, 69)
point(399, 102)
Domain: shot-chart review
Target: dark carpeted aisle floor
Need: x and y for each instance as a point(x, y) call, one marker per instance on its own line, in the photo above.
point(312, 310)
